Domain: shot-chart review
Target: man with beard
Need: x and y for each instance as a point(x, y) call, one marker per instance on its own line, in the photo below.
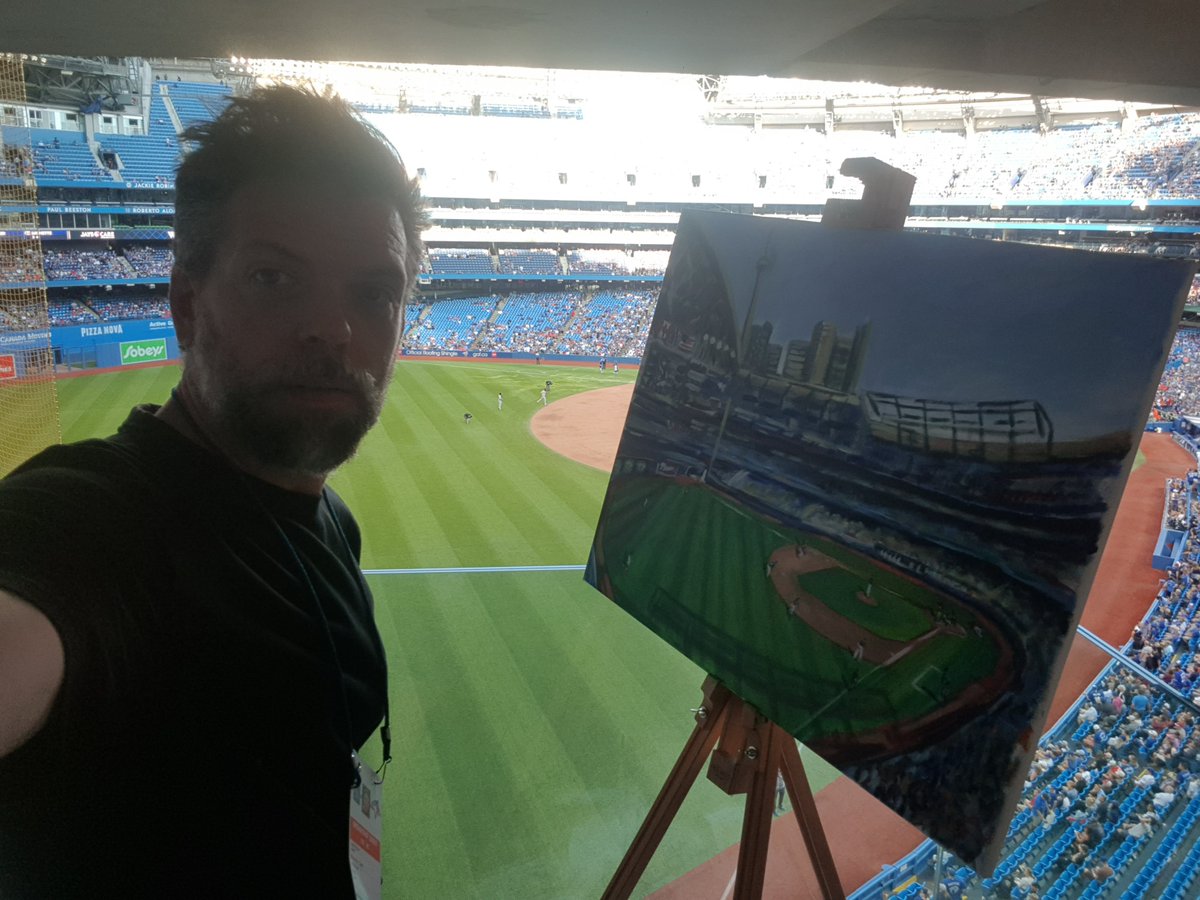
point(188, 656)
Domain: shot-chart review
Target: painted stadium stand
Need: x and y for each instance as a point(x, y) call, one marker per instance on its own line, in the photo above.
point(1115, 785)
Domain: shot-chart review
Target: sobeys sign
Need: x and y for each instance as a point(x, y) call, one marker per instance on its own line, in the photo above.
point(143, 351)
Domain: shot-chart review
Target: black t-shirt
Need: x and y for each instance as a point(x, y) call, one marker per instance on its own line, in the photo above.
point(221, 658)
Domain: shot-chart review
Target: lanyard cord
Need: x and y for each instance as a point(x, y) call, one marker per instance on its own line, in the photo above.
point(325, 629)
point(385, 731)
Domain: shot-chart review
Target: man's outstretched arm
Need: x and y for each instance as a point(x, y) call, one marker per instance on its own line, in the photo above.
point(31, 670)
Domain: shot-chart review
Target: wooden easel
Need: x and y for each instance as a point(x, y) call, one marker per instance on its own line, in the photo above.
point(750, 749)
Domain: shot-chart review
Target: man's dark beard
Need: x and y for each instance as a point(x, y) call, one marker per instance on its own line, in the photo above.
point(253, 420)
point(310, 444)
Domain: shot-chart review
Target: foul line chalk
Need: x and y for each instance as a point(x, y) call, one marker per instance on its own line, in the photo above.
point(470, 570)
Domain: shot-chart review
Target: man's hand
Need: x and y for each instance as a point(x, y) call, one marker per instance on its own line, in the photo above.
point(31, 670)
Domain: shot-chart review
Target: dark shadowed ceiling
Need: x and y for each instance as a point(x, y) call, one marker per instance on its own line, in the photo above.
point(1113, 49)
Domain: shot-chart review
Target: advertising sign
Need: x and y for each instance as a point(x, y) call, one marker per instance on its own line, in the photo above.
point(8, 366)
point(143, 351)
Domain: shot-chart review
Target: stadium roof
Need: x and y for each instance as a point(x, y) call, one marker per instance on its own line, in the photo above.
point(1113, 49)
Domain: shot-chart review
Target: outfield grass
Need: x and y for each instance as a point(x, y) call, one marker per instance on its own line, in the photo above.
point(534, 721)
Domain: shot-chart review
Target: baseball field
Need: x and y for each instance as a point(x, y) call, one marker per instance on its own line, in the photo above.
point(863, 648)
point(534, 721)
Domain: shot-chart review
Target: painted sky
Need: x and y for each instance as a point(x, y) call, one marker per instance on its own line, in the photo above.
point(958, 319)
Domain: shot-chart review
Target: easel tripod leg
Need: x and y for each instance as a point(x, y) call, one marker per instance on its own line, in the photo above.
point(756, 821)
point(670, 798)
point(805, 808)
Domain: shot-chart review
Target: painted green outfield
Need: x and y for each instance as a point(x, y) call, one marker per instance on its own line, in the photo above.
point(681, 579)
point(534, 720)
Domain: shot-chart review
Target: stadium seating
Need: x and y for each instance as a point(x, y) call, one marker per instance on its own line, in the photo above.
point(460, 262)
point(118, 308)
point(196, 101)
point(451, 324)
point(530, 262)
point(150, 261)
point(85, 265)
point(613, 323)
point(529, 323)
point(70, 312)
point(145, 161)
point(60, 158)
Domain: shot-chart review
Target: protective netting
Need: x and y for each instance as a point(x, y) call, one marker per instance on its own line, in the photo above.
point(29, 418)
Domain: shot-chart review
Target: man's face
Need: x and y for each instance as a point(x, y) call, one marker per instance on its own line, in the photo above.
point(291, 336)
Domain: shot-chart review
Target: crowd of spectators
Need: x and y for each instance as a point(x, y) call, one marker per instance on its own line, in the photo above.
point(613, 323)
point(1165, 643)
point(24, 267)
point(607, 323)
point(69, 312)
point(112, 309)
point(23, 316)
point(1176, 510)
point(85, 265)
point(77, 264)
point(529, 323)
point(1179, 390)
point(150, 261)
point(1113, 792)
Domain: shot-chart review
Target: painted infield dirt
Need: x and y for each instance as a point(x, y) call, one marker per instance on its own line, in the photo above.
point(863, 834)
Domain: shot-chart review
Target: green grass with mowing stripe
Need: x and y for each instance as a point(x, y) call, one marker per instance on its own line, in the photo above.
point(534, 721)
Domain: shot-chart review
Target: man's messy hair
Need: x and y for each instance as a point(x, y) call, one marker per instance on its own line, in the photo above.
point(292, 135)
